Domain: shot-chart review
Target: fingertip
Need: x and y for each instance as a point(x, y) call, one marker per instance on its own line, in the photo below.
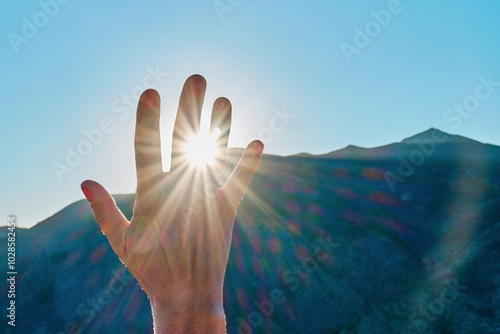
point(96, 189)
point(257, 147)
point(197, 83)
point(89, 184)
point(150, 99)
point(89, 195)
point(258, 143)
point(198, 78)
point(222, 103)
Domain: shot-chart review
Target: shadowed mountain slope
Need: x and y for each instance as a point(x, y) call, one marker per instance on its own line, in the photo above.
point(401, 238)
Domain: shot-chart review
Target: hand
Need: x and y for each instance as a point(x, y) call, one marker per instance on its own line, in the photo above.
point(177, 242)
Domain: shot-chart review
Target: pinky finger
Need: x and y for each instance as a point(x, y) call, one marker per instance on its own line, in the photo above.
point(238, 182)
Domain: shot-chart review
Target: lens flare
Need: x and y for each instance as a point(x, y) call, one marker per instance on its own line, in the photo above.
point(201, 149)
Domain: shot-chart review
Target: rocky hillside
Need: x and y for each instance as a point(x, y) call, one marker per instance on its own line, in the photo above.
point(401, 238)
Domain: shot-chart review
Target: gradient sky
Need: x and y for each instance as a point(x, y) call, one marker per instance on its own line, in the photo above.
point(265, 56)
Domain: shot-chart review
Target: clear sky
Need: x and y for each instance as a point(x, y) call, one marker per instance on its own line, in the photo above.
point(341, 76)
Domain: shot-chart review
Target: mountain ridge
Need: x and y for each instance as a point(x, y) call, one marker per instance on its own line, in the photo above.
point(353, 151)
point(433, 132)
point(425, 135)
point(348, 253)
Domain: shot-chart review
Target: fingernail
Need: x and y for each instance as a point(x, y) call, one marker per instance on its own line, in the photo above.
point(88, 194)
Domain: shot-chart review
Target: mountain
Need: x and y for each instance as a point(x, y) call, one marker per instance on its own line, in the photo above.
point(401, 238)
point(431, 144)
point(435, 133)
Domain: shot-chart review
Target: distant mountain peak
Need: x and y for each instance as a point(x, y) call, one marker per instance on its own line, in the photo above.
point(354, 147)
point(437, 136)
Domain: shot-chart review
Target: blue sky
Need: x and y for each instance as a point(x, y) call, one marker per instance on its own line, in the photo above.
point(76, 70)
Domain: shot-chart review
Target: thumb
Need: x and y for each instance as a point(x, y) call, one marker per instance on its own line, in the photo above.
point(111, 220)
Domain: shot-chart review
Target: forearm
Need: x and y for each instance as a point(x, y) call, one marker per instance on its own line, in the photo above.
point(197, 315)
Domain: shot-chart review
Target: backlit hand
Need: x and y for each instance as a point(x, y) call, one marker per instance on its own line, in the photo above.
point(177, 242)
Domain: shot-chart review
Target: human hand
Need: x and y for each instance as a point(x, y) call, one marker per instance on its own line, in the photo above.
point(178, 240)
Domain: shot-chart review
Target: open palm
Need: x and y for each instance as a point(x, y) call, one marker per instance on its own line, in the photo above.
point(177, 242)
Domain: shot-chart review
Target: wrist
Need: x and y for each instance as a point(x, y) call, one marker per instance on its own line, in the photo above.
point(189, 311)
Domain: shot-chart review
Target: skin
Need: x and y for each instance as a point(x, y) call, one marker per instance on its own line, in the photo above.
point(177, 243)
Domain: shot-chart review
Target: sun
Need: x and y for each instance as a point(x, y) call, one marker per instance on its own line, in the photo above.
point(201, 149)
